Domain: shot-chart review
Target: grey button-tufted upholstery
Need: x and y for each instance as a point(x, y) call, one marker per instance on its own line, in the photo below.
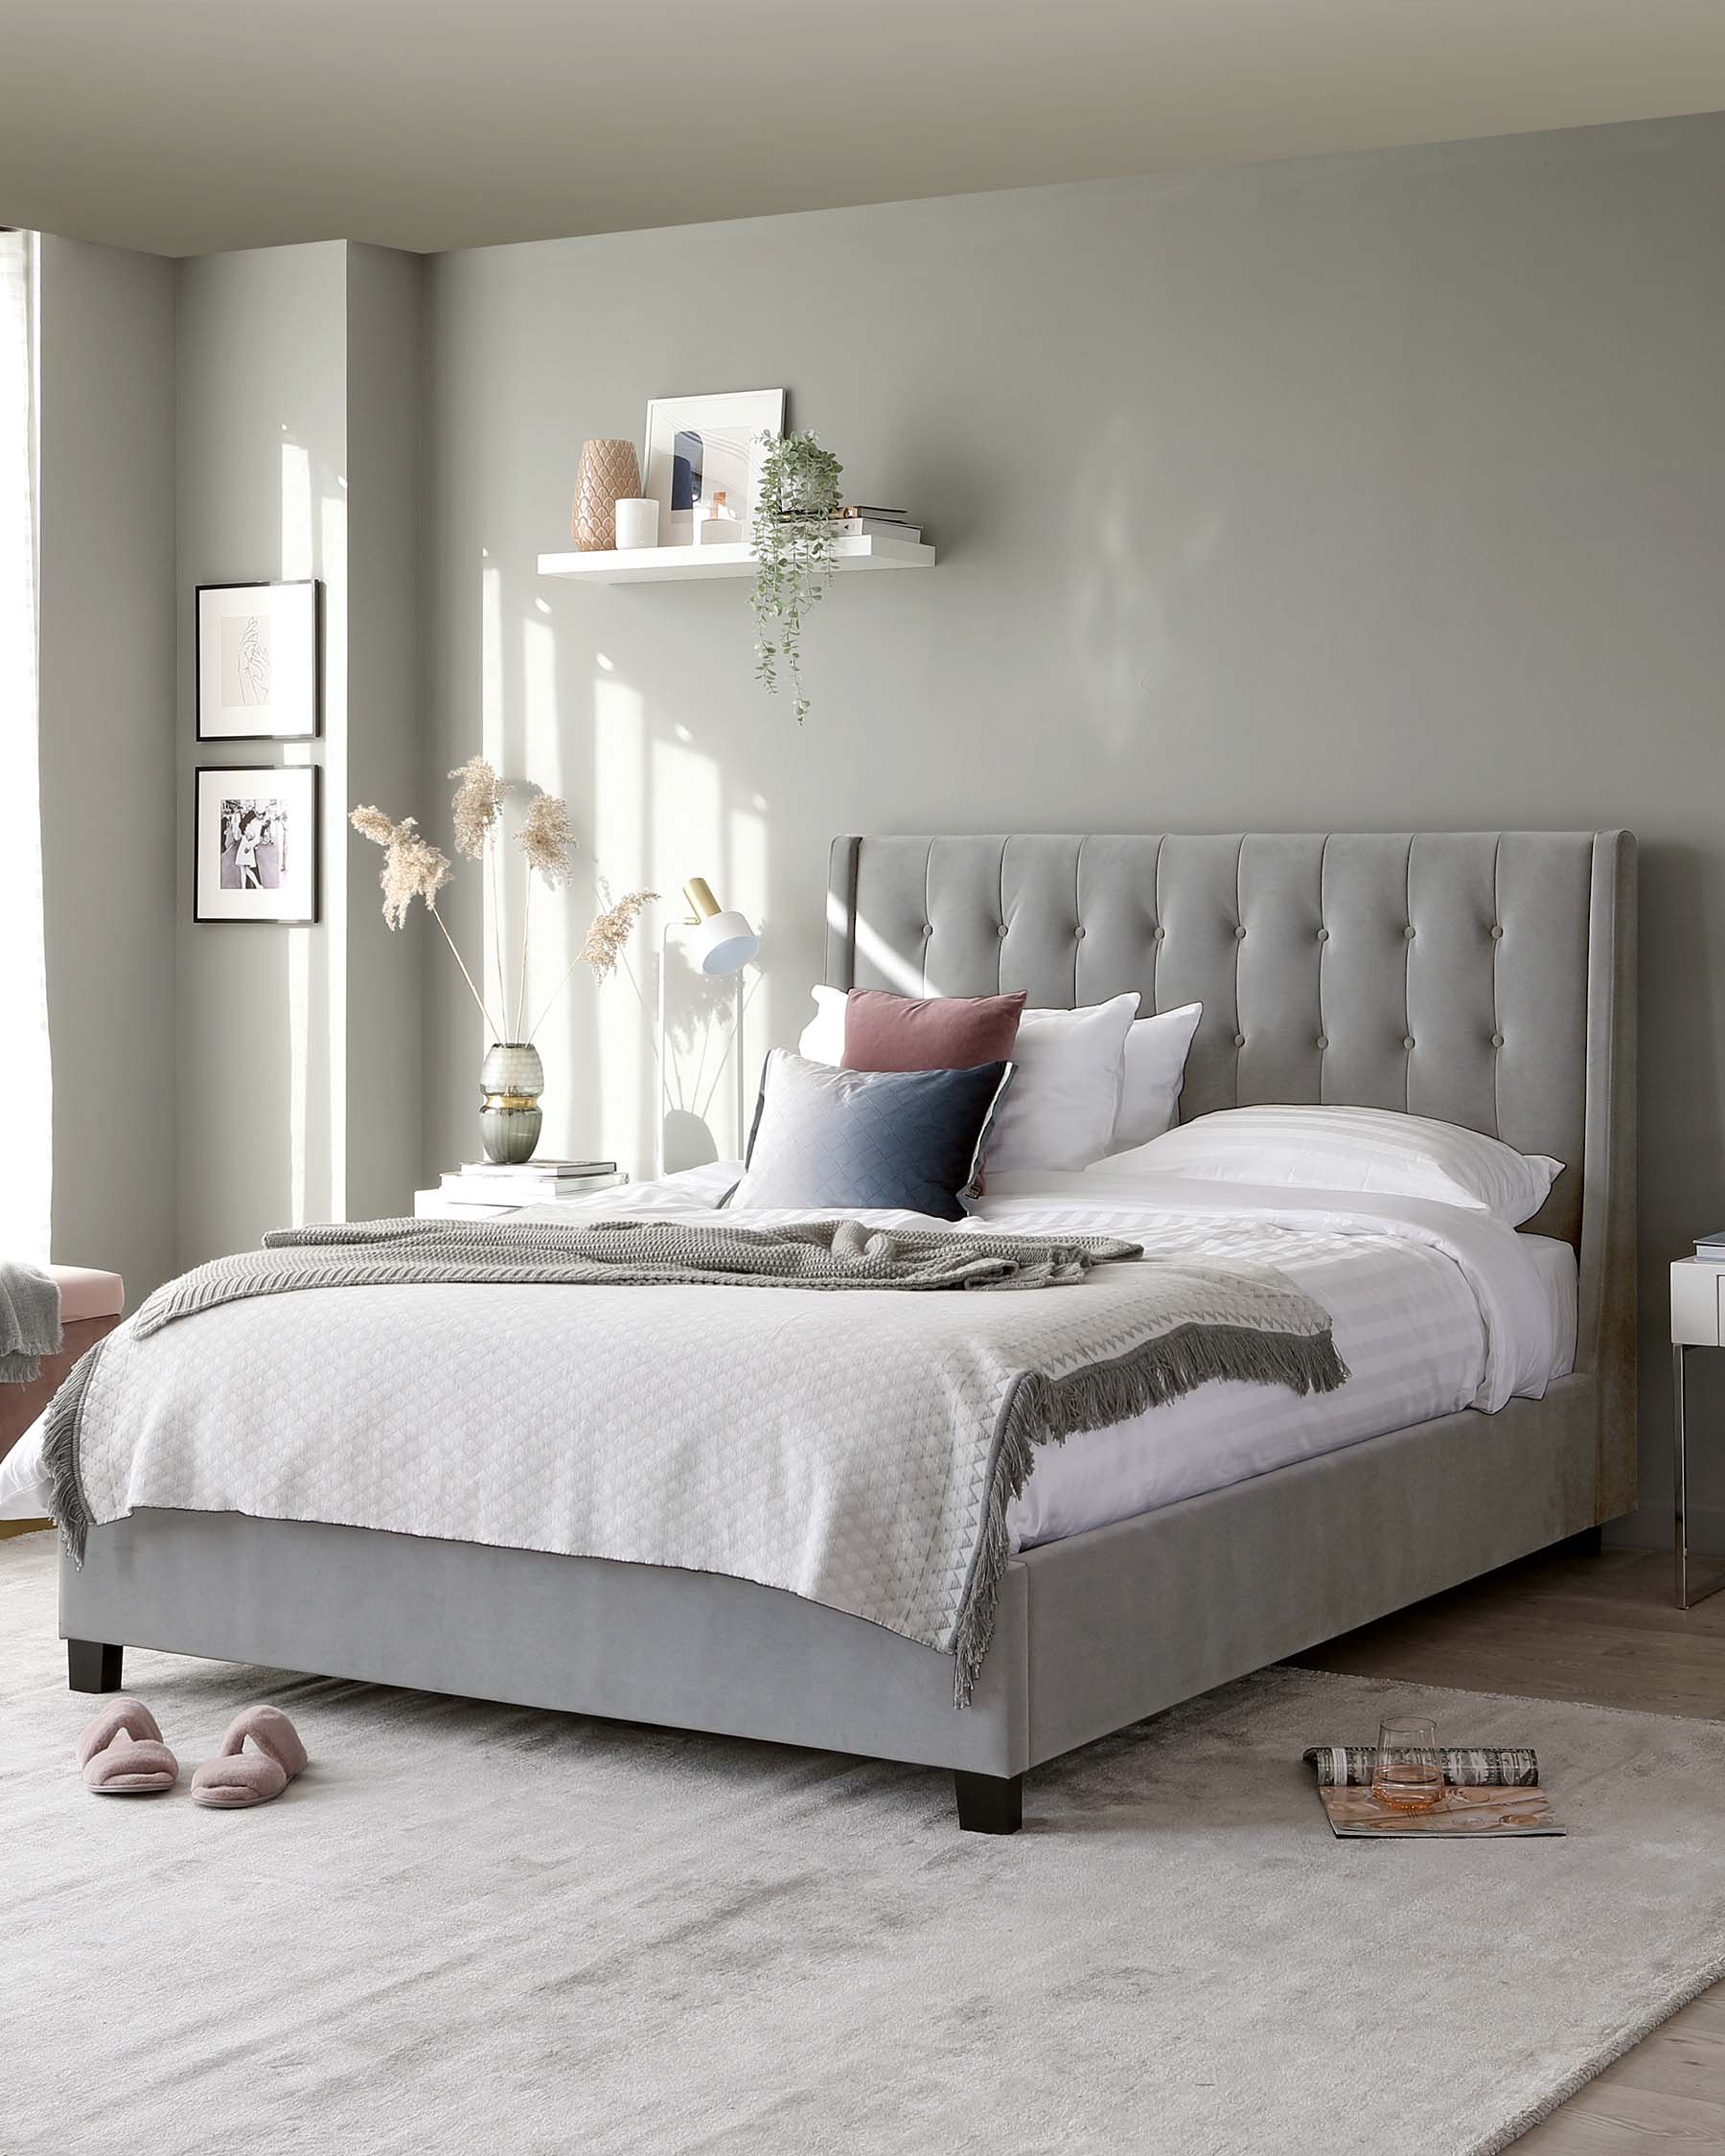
point(1444, 973)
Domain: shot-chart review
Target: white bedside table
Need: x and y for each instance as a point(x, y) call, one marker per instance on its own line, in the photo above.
point(1697, 1320)
point(439, 1205)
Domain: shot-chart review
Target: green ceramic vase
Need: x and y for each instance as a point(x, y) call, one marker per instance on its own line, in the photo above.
point(511, 1080)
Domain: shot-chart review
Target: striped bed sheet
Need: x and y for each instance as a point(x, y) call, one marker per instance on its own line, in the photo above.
point(1433, 1310)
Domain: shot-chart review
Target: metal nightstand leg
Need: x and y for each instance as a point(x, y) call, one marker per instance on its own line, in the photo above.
point(1687, 1596)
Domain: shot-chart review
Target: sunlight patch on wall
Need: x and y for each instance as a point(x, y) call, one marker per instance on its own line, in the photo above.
point(299, 560)
point(328, 950)
point(904, 976)
point(494, 746)
point(616, 1017)
point(550, 914)
point(299, 538)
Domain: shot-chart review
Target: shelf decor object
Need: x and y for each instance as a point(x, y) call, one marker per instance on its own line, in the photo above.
point(607, 473)
point(792, 540)
point(637, 522)
point(512, 1076)
point(699, 446)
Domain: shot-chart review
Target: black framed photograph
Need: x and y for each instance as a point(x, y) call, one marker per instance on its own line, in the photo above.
point(256, 844)
point(257, 661)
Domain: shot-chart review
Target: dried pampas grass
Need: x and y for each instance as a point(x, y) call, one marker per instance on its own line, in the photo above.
point(478, 805)
point(610, 932)
point(546, 840)
point(604, 944)
point(413, 867)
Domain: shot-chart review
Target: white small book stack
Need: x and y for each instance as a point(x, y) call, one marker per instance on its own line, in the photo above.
point(486, 1190)
point(862, 520)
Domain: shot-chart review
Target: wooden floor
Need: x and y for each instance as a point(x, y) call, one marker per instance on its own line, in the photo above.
point(1603, 1629)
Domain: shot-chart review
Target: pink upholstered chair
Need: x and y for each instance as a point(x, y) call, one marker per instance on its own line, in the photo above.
point(91, 1304)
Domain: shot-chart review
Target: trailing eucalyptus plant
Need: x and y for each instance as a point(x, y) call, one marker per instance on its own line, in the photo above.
point(793, 552)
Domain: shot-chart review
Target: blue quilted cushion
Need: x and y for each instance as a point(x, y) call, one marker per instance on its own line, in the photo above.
point(910, 1140)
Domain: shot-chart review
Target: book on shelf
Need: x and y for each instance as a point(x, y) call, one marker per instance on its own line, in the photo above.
point(849, 508)
point(1712, 1247)
point(875, 527)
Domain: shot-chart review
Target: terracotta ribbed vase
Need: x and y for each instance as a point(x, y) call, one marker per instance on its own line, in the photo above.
point(608, 473)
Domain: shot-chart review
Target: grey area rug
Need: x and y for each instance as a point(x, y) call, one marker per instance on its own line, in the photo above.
point(475, 1927)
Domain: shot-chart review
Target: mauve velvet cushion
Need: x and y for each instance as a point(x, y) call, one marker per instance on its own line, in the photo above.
point(886, 1032)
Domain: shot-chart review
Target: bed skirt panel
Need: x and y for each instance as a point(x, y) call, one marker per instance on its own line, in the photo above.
point(583, 1635)
point(1134, 1618)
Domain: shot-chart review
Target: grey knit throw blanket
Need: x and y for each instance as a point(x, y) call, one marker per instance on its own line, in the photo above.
point(30, 1320)
point(915, 1418)
point(627, 1253)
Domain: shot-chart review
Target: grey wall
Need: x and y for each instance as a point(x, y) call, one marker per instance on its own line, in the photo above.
point(298, 1063)
point(263, 444)
point(383, 1011)
point(107, 769)
point(1368, 492)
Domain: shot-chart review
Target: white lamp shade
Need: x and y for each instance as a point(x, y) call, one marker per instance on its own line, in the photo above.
point(723, 944)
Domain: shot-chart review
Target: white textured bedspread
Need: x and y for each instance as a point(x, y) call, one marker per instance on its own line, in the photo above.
point(1432, 1310)
point(858, 1450)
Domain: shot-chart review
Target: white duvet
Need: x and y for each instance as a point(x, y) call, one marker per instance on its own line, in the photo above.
point(1434, 1309)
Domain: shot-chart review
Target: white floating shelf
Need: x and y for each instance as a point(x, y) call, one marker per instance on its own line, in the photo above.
point(674, 564)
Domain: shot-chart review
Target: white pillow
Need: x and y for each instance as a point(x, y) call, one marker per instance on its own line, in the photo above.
point(1068, 1066)
point(1059, 1112)
point(1154, 1067)
point(822, 1039)
point(1361, 1149)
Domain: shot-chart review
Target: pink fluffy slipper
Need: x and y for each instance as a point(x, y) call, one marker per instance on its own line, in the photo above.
point(237, 1779)
point(121, 1752)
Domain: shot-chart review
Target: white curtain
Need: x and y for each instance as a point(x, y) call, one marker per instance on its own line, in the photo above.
point(26, 1155)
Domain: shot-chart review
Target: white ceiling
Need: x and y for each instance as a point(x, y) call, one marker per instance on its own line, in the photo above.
point(188, 125)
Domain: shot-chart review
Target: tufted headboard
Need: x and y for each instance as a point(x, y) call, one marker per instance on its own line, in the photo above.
point(1483, 977)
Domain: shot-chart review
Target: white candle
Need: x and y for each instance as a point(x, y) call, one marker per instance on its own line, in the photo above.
point(637, 522)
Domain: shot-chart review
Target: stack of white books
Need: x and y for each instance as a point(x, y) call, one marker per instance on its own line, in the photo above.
point(486, 1187)
point(862, 520)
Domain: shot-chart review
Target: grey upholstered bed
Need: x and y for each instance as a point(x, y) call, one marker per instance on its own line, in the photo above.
point(1484, 979)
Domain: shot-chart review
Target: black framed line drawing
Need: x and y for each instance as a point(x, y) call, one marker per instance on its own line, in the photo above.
point(255, 844)
point(257, 671)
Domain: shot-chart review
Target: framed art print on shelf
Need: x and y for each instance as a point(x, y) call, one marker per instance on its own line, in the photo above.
point(255, 844)
point(700, 448)
point(257, 661)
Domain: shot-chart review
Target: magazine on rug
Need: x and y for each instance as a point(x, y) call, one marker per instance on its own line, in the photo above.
point(1488, 1790)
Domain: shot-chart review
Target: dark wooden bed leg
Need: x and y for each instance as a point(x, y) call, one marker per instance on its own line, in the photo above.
point(1588, 1543)
point(93, 1665)
point(989, 1804)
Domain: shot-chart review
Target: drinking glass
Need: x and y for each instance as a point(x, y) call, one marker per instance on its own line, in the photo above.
point(1409, 1774)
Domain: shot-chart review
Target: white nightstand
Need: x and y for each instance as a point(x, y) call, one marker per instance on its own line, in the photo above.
point(1697, 1320)
point(439, 1205)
